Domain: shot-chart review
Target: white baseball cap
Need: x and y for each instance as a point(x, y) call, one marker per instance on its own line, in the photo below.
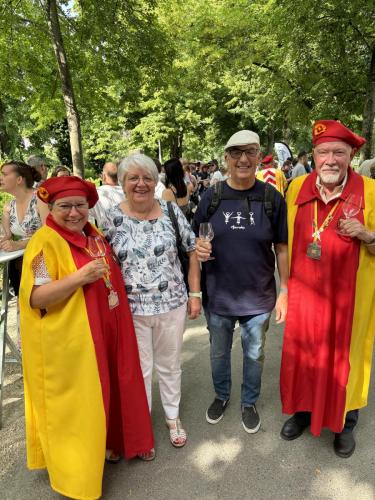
point(242, 138)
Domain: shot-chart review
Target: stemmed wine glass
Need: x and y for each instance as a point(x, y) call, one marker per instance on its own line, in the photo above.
point(96, 247)
point(206, 233)
point(351, 207)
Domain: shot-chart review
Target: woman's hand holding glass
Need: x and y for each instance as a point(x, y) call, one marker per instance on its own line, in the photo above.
point(92, 271)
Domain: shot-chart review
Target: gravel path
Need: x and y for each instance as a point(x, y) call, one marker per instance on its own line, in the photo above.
point(220, 461)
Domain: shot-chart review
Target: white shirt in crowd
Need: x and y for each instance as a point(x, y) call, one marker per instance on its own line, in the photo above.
point(109, 196)
point(217, 176)
point(159, 190)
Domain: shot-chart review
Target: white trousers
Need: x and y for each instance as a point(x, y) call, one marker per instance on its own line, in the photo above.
point(160, 342)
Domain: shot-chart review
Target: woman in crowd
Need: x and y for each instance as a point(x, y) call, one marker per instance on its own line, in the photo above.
point(60, 171)
point(176, 188)
point(142, 236)
point(84, 390)
point(22, 215)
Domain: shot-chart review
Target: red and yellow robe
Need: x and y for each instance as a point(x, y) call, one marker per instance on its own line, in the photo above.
point(273, 176)
point(330, 325)
point(84, 390)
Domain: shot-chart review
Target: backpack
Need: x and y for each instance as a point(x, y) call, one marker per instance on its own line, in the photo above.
point(218, 195)
point(182, 255)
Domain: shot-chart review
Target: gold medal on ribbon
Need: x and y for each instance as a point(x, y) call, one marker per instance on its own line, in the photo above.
point(314, 249)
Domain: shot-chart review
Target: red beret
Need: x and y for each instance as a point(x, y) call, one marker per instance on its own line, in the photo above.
point(332, 130)
point(267, 159)
point(60, 187)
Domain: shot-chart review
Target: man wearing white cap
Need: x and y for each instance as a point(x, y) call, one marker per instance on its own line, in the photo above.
point(249, 220)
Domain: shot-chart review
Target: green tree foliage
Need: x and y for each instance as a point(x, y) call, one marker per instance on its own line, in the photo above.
point(184, 74)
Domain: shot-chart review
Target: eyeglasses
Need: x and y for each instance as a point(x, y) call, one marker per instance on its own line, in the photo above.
point(134, 179)
point(68, 207)
point(237, 153)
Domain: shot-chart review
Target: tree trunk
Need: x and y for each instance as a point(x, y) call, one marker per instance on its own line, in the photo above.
point(72, 114)
point(270, 140)
point(176, 146)
point(369, 110)
point(5, 142)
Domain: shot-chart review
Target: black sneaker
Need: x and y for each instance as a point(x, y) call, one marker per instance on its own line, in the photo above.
point(216, 411)
point(250, 419)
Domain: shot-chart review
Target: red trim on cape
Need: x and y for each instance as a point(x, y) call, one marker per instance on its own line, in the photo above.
point(129, 429)
point(315, 359)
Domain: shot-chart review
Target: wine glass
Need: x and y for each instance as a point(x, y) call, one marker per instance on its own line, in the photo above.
point(96, 247)
point(206, 233)
point(352, 205)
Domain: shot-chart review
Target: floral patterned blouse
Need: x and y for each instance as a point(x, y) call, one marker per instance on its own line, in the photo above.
point(148, 257)
point(30, 223)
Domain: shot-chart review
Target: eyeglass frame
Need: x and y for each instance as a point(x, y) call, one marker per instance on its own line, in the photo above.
point(253, 154)
point(77, 206)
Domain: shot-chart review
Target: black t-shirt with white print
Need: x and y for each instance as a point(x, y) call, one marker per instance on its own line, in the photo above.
point(240, 280)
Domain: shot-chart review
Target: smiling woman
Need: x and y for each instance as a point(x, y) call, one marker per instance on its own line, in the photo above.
point(80, 354)
point(142, 236)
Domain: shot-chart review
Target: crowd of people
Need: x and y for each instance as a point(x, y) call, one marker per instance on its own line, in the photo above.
point(109, 275)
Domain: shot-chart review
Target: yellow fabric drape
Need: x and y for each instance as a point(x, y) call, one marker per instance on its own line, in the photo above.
point(363, 329)
point(65, 418)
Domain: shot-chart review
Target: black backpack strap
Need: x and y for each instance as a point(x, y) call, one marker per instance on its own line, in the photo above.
point(217, 194)
point(269, 200)
point(173, 218)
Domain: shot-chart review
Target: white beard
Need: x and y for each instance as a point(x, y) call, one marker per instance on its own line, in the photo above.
point(330, 178)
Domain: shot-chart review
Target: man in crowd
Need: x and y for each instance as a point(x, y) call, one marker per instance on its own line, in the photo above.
point(302, 165)
point(330, 325)
point(270, 173)
point(110, 193)
point(248, 218)
point(203, 177)
point(41, 166)
point(365, 167)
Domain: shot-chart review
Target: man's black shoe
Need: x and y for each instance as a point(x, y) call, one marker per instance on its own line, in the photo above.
point(293, 428)
point(344, 444)
point(216, 411)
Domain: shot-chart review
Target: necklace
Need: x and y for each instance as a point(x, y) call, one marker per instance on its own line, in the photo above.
point(140, 215)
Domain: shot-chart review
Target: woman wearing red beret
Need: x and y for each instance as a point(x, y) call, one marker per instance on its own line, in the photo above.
point(84, 390)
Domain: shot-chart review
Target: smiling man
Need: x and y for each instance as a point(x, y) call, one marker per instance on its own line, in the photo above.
point(330, 325)
point(249, 220)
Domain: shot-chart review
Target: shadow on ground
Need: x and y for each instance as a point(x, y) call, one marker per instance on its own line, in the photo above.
point(219, 461)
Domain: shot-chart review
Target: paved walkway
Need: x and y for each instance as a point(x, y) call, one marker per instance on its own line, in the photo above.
point(220, 461)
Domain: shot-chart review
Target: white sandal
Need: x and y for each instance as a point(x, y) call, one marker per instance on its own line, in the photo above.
point(177, 435)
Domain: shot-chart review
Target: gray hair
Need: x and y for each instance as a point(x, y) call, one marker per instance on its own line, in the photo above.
point(35, 161)
point(137, 160)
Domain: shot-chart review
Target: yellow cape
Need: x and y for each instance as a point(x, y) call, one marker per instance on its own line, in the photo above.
point(65, 418)
point(363, 329)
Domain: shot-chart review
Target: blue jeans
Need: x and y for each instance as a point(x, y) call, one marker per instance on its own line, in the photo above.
point(253, 335)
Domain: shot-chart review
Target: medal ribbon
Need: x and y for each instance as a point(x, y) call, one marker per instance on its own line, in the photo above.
point(106, 277)
point(317, 232)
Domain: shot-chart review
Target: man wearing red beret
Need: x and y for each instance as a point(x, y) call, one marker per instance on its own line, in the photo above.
point(272, 175)
point(326, 359)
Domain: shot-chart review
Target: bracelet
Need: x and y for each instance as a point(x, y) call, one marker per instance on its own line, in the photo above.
point(284, 289)
point(195, 294)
